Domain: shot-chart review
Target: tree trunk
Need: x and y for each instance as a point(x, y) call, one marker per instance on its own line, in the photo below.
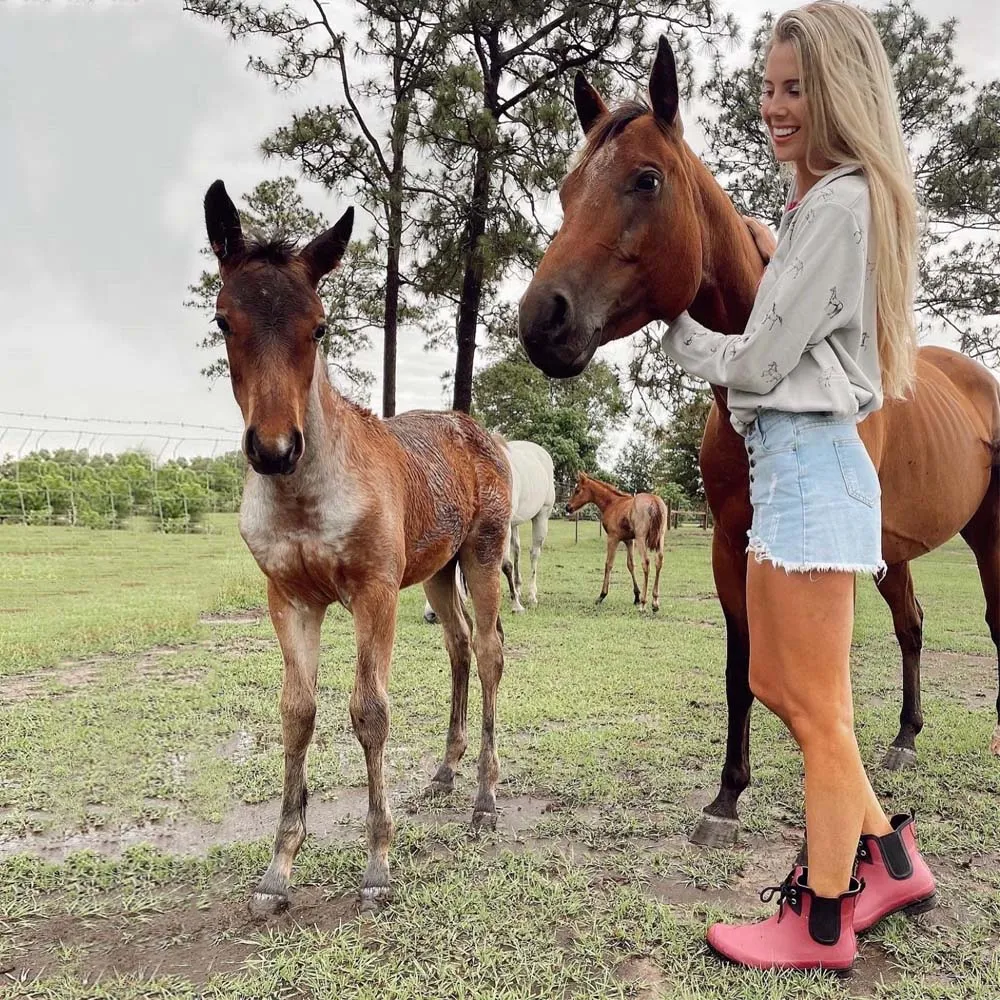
point(472, 284)
point(391, 310)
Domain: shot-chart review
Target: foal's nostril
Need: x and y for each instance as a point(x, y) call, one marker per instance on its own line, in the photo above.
point(298, 446)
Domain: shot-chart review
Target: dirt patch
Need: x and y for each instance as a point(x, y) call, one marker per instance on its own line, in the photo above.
point(193, 942)
point(249, 617)
point(970, 676)
point(644, 974)
point(28, 686)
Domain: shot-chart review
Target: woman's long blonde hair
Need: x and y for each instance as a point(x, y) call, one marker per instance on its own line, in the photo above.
point(854, 118)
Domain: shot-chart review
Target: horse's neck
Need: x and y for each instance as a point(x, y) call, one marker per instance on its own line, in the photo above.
point(603, 495)
point(731, 263)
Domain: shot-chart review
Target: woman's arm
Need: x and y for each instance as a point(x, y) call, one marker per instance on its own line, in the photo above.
point(820, 287)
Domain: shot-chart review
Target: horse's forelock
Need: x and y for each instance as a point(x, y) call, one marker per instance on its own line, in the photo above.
point(610, 126)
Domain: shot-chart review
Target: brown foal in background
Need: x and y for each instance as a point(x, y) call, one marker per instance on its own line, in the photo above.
point(640, 519)
point(341, 507)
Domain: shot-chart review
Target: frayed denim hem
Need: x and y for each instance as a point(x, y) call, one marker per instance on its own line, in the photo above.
point(759, 549)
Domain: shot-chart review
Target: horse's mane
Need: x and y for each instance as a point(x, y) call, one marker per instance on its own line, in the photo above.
point(271, 248)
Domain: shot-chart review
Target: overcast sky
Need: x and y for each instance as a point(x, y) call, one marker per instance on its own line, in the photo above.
point(115, 118)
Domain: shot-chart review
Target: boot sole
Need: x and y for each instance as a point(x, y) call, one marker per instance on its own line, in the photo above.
point(843, 971)
point(911, 910)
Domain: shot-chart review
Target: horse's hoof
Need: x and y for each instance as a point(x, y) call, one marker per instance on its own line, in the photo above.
point(439, 787)
point(600, 598)
point(995, 742)
point(899, 759)
point(263, 905)
point(373, 899)
point(532, 602)
point(715, 831)
point(518, 609)
point(483, 819)
point(430, 618)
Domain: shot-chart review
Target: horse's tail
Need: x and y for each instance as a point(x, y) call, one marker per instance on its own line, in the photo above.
point(655, 528)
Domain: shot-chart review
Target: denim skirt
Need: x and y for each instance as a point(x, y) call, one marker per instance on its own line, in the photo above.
point(815, 494)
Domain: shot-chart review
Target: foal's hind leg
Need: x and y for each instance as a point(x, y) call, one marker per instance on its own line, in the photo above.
point(630, 562)
point(442, 593)
point(298, 630)
point(487, 640)
point(656, 579)
point(644, 558)
point(982, 534)
point(907, 620)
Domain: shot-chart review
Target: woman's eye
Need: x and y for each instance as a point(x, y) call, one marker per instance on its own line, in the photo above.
point(320, 332)
point(647, 183)
point(220, 322)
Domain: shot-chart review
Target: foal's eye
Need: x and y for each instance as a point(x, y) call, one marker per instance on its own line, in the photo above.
point(320, 332)
point(220, 322)
point(648, 182)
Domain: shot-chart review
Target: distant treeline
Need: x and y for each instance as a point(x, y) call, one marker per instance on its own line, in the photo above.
point(104, 491)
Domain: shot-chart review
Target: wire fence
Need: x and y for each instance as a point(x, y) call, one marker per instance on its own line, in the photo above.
point(97, 472)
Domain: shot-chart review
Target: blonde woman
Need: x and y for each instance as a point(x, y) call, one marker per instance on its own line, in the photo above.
point(831, 330)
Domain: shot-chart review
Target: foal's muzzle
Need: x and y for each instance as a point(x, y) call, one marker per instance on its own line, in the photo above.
point(553, 332)
point(273, 458)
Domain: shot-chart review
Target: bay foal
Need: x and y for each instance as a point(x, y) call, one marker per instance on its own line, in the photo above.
point(341, 507)
point(640, 520)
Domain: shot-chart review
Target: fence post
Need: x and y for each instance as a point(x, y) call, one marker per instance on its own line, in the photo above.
point(576, 529)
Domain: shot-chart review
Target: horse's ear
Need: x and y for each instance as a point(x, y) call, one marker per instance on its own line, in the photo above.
point(664, 94)
point(324, 253)
point(223, 224)
point(589, 105)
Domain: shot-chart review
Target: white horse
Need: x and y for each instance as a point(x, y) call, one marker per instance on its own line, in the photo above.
point(533, 493)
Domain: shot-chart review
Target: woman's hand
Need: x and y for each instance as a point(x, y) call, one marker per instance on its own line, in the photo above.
point(762, 237)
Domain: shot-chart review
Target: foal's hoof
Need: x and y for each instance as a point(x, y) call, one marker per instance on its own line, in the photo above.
point(430, 618)
point(263, 905)
point(899, 759)
point(600, 597)
point(483, 819)
point(373, 899)
point(715, 831)
point(517, 609)
point(656, 608)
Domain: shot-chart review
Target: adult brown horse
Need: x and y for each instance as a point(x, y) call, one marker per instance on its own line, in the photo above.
point(340, 506)
point(647, 233)
point(637, 520)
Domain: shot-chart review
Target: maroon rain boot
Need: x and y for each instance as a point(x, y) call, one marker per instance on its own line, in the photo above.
point(895, 875)
point(807, 932)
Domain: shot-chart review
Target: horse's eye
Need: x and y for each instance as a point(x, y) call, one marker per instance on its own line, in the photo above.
point(220, 322)
point(320, 332)
point(648, 182)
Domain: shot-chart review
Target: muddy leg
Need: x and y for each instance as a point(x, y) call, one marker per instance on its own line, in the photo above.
point(298, 630)
point(443, 597)
point(374, 611)
point(982, 534)
point(488, 646)
point(896, 587)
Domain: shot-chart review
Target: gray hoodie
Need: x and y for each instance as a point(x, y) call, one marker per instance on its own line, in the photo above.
point(810, 343)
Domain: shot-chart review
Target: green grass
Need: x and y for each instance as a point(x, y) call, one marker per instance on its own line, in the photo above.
point(614, 719)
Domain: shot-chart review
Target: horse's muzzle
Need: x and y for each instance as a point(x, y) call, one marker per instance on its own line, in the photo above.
point(549, 329)
point(275, 458)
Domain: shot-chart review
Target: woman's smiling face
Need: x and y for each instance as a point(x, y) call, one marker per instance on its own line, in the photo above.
point(783, 107)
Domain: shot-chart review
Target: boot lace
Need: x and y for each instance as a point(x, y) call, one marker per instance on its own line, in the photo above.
point(787, 892)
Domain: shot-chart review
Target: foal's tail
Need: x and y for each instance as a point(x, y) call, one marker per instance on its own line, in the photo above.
point(657, 524)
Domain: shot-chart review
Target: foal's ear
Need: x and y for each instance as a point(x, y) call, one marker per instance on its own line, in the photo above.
point(223, 223)
point(324, 253)
point(589, 105)
point(664, 94)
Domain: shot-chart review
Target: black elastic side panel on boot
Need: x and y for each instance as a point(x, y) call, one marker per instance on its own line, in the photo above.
point(894, 854)
point(824, 920)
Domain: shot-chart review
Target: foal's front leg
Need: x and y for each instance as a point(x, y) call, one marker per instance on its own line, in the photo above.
point(298, 628)
point(608, 564)
point(374, 613)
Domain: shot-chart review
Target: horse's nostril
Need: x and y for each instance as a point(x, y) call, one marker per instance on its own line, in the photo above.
point(298, 445)
point(560, 310)
point(250, 443)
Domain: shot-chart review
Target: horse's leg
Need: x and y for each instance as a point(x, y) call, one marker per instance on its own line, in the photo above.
point(640, 544)
point(608, 564)
point(719, 822)
point(656, 579)
point(374, 610)
point(630, 562)
point(539, 531)
point(896, 587)
point(487, 641)
point(442, 595)
point(298, 629)
point(512, 568)
point(982, 534)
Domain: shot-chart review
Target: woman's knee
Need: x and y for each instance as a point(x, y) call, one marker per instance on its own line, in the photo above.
point(808, 710)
